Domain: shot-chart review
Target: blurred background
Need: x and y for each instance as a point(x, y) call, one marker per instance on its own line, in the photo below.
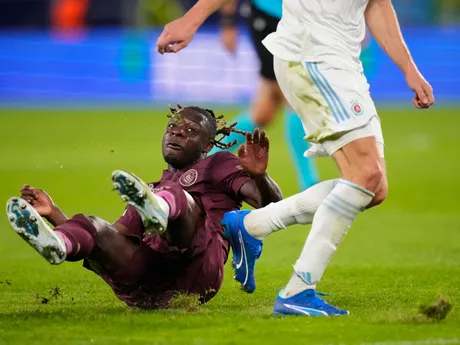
point(102, 51)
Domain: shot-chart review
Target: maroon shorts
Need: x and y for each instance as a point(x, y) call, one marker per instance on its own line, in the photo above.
point(158, 272)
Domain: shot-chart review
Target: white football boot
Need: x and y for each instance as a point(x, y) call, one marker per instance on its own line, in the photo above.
point(152, 208)
point(33, 229)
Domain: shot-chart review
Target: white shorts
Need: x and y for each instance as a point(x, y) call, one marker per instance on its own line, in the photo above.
point(334, 104)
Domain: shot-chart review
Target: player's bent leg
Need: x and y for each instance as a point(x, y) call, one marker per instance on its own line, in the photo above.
point(111, 255)
point(153, 210)
point(80, 237)
point(33, 229)
point(114, 255)
point(171, 205)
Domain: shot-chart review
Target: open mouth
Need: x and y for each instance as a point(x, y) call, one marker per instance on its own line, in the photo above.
point(174, 146)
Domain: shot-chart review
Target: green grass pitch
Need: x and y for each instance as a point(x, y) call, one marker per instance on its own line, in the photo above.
point(395, 258)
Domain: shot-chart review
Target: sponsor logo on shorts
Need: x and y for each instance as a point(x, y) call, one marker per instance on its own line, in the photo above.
point(356, 108)
point(188, 178)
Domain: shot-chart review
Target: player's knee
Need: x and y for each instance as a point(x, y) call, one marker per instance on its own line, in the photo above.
point(380, 194)
point(360, 162)
point(371, 176)
point(99, 224)
point(103, 229)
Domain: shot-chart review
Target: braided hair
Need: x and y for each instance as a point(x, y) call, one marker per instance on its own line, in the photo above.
point(219, 129)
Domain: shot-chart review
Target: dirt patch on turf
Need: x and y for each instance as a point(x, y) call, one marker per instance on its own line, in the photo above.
point(187, 302)
point(53, 294)
point(436, 311)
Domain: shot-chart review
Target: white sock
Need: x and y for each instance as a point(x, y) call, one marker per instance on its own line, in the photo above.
point(330, 224)
point(297, 209)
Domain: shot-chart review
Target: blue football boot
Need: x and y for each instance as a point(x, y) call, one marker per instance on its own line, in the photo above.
point(246, 249)
point(306, 303)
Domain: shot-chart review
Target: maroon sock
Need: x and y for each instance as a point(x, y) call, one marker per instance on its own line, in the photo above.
point(79, 236)
point(175, 196)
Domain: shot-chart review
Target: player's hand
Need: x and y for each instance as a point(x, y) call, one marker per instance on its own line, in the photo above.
point(39, 200)
point(254, 155)
point(177, 35)
point(423, 91)
point(229, 37)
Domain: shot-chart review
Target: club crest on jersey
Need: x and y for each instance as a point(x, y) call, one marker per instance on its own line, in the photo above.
point(356, 108)
point(188, 178)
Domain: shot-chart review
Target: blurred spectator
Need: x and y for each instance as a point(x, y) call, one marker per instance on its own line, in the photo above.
point(69, 14)
point(28, 14)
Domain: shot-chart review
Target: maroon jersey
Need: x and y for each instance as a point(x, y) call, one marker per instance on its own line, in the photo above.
point(213, 182)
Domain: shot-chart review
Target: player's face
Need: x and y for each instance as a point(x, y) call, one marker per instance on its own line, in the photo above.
point(186, 139)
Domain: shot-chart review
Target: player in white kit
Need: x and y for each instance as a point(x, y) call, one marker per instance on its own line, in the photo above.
point(316, 48)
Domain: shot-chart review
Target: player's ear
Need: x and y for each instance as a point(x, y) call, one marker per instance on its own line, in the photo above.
point(208, 147)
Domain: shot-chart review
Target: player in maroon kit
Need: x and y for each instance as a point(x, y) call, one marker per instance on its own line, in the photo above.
point(169, 238)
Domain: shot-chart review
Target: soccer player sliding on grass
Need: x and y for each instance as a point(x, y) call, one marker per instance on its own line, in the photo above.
point(169, 238)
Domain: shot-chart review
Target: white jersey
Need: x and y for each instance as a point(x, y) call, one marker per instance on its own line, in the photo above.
point(320, 30)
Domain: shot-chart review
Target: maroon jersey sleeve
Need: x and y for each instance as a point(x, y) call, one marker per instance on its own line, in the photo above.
point(132, 221)
point(228, 173)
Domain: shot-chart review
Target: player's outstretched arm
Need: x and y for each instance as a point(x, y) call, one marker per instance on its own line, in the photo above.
point(383, 23)
point(43, 204)
point(178, 34)
point(253, 157)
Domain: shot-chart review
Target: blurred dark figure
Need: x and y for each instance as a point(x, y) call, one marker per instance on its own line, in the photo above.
point(24, 14)
point(65, 14)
